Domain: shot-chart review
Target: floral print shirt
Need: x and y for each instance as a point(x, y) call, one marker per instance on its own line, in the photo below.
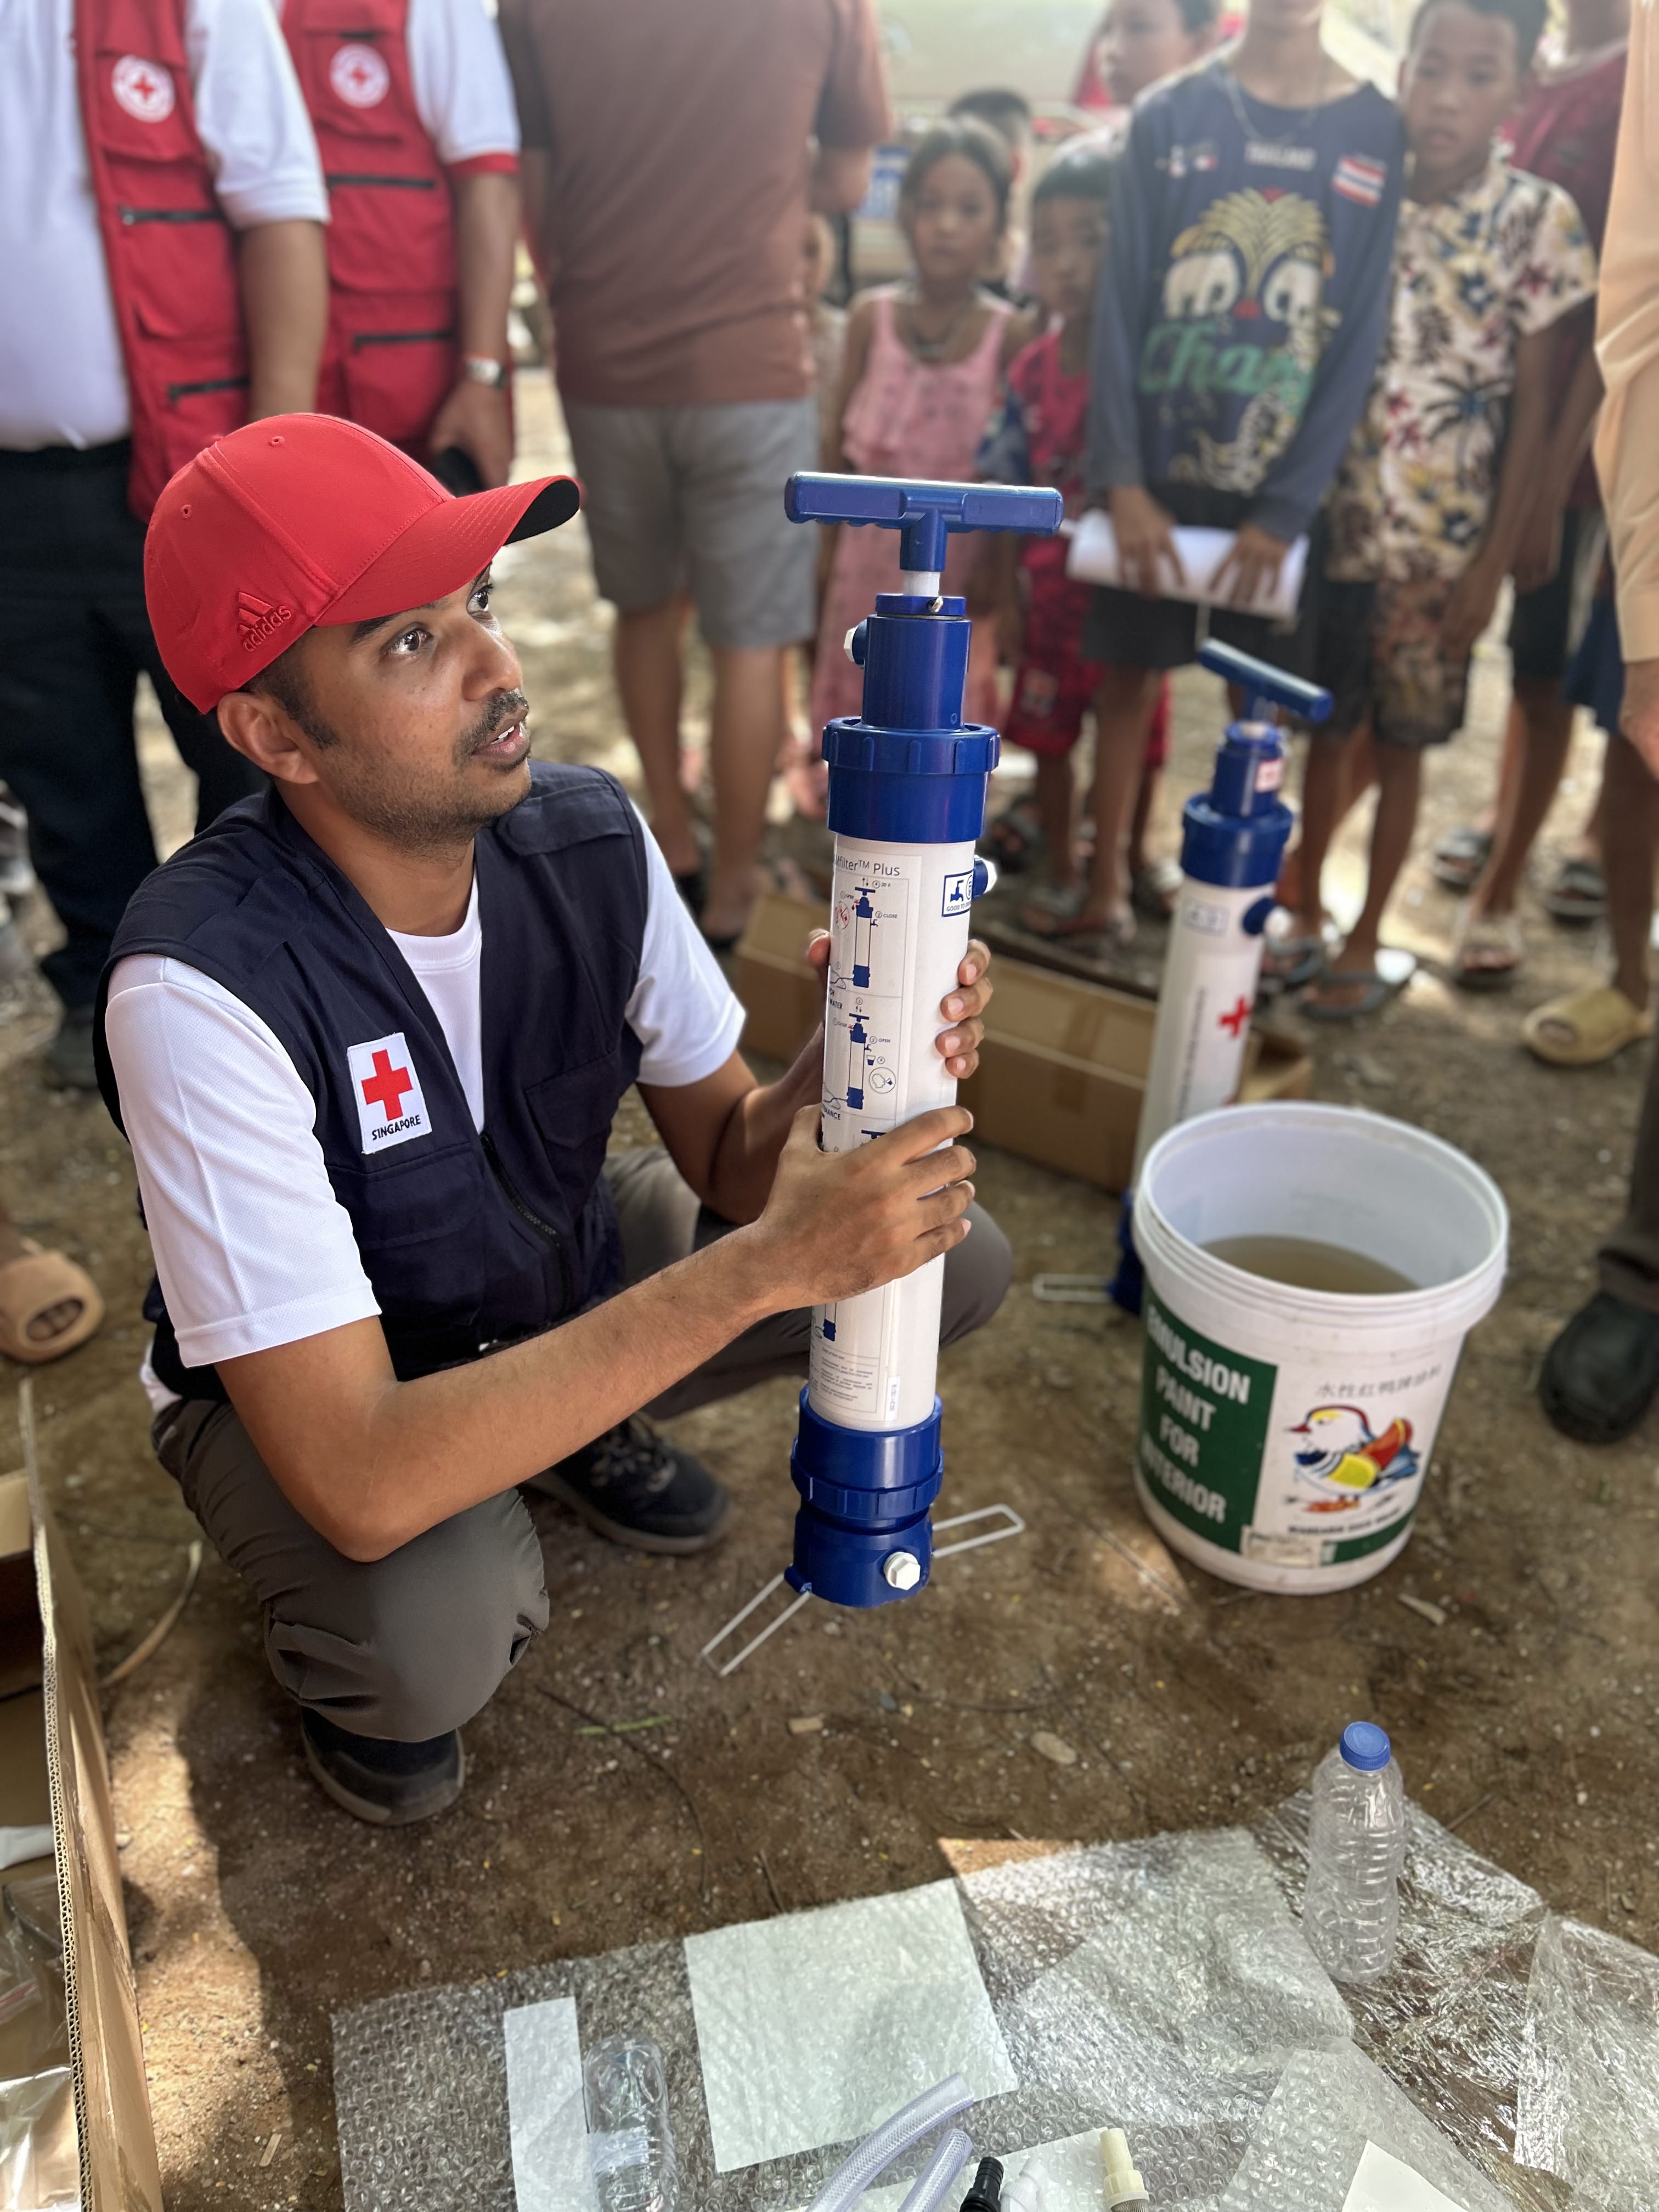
point(1473, 275)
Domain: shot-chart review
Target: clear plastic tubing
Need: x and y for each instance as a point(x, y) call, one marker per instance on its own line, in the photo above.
point(1356, 1850)
point(933, 2183)
point(878, 2151)
point(630, 2145)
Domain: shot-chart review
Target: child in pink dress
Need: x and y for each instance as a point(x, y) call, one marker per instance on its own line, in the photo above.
point(923, 364)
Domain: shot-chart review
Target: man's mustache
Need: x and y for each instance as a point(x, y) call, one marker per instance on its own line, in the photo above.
point(504, 707)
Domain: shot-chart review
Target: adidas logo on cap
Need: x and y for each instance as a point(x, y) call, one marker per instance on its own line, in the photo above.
point(257, 618)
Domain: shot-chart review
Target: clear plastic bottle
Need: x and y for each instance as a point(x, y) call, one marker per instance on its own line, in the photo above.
point(630, 2145)
point(1355, 1849)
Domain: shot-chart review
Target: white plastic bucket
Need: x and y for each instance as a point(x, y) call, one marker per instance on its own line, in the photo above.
point(1284, 1433)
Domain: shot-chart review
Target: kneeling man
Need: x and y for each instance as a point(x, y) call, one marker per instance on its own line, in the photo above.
point(366, 1037)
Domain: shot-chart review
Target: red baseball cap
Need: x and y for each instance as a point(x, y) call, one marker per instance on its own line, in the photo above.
point(304, 518)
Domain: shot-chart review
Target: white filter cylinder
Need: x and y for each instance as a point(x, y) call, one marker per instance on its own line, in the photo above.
point(898, 934)
point(1204, 1003)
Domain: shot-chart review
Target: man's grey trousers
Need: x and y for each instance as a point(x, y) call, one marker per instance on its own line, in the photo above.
point(413, 1645)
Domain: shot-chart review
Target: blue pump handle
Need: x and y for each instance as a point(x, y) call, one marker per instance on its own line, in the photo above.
point(1263, 686)
point(927, 513)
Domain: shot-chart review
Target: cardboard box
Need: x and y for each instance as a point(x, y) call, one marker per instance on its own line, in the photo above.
point(94, 2132)
point(1064, 1061)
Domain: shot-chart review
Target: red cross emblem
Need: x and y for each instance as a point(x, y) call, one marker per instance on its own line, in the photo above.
point(1233, 1021)
point(386, 1087)
point(142, 87)
point(359, 75)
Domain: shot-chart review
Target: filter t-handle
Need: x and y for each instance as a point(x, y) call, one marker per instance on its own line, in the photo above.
point(1264, 686)
point(926, 514)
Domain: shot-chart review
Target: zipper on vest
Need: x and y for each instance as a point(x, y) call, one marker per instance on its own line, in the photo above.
point(400, 337)
point(177, 391)
point(543, 1229)
point(368, 177)
point(169, 215)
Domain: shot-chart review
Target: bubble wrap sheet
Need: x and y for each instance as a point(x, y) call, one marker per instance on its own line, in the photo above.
point(1309, 2142)
point(1158, 1986)
point(1590, 2068)
point(1161, 1986)
point(1446, 2023)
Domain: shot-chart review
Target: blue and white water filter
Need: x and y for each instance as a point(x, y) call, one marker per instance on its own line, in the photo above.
point(907, 803)
point(1232, 845)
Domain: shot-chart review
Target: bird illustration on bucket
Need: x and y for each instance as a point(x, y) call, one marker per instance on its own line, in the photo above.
point(1344, 1461)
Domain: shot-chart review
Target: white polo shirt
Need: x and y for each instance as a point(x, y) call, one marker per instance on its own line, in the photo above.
point(250, 1245)
point(61, 378)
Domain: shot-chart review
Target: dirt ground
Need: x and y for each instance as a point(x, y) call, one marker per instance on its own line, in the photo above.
point(1528, 1718)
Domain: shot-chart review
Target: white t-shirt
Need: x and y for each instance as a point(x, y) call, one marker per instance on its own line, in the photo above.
point(250, 1245)
point(62, 380)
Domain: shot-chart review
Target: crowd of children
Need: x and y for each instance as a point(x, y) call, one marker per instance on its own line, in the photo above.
point(1351, 332)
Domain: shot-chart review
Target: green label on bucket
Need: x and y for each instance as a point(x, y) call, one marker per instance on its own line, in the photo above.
point(1204, 1412)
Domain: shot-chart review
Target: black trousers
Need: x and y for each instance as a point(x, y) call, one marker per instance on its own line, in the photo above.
point(74, 637)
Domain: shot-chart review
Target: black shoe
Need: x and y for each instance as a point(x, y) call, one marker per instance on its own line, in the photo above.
point(636, 1488)
point(1602, 1373)
point(391, 1784)
point(69, 1056)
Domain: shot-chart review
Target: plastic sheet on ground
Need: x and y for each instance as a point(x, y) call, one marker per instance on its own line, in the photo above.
point(1589, 2071)
point(1446, 2023)
point(812, 2028)
point(1310, 2141)
point(1158, 1986)
point(1161, 1986)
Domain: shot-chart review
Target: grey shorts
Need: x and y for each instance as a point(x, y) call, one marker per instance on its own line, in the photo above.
point(691, 498)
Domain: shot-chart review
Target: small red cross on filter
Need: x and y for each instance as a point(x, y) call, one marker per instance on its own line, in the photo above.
point(1233, 1021)
point(390, 1109)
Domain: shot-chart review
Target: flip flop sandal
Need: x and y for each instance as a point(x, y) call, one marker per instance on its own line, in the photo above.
point(29, 1286)
point(1579, 892)
point(1394, 970)
point(1155, 889)
point(1599, 1024)
point(1488, 932)
point(1014, 841)
point(1053, 912)
point(1460, 857)
point(1288, 962)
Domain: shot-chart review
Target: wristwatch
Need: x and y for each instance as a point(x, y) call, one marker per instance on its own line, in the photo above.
point(484, 369)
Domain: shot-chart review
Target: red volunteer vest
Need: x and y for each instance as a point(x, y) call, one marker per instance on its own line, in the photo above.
point(168, 248)
point(392, 355)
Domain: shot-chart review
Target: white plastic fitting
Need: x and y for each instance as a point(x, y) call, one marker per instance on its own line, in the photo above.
point(1029, 2191)
point(1123, 2185)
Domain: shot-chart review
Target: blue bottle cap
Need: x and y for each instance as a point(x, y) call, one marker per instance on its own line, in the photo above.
point(1365, 1746)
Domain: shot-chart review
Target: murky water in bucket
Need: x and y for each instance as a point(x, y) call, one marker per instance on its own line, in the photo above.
point(1311, 1265)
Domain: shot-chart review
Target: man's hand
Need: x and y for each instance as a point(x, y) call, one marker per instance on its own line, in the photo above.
point(1469, 608)
point(837, 1223)
point(1253, 561)
point(960, 1010)
point(1538, 554)
point(1146, 540)
point(475, 418)
point(1639, 718)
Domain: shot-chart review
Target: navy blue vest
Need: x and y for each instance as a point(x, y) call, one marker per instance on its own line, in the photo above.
point(469, 1239)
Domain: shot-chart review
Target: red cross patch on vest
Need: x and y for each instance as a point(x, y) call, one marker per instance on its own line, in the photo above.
point(390, 1107)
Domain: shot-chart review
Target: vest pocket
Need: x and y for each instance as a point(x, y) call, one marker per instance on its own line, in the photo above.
point(398, 357)
point(574, 1111)
point(417, 1220)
